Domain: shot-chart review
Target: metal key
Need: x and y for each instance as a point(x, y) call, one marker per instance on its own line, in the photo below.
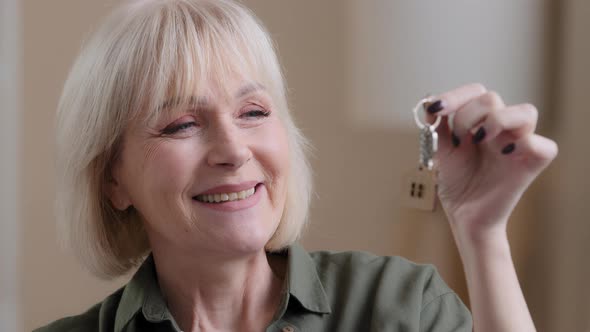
point(428, 146)
point(419, 185)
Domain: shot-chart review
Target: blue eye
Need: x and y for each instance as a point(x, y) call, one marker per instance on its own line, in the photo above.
point(170, 130)
point(256, 114)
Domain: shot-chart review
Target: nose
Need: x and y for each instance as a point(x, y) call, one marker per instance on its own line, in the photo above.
point(228, 149)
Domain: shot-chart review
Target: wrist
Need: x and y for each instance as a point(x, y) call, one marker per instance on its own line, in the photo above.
point(474, 240)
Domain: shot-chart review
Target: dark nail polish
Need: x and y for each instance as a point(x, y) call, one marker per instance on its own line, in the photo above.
point(509, 148)
point(479, 135)
point(435, 107)
point(455, 139)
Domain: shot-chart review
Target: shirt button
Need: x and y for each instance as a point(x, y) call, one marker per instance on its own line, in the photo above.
point(288, 328)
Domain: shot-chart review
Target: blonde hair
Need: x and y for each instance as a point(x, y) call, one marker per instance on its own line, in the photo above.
point(145, 51)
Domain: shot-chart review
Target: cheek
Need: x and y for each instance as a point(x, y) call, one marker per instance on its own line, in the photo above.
point(166, 168)
point(274, 153)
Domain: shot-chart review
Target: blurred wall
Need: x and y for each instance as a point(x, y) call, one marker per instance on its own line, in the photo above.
point(567, 201)
point(9, 162)
point(354, 70)
point(53, 284)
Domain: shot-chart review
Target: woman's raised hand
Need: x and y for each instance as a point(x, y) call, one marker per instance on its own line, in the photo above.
point(487, 157)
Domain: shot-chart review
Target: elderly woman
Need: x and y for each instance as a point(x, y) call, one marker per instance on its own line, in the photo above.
point(178, 153)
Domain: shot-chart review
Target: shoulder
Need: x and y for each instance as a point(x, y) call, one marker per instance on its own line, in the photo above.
point(86, 321)
point(96, 318)
point(353, 260)
point(400, 272)
point(417, 284)
point(391, 289)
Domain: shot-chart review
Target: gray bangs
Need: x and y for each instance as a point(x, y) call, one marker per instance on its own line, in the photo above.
point(181, 48)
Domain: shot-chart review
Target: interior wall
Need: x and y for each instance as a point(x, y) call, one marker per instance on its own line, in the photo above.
point(565, 207)
point(10, 316)
point(345, 72)
point(53, 284)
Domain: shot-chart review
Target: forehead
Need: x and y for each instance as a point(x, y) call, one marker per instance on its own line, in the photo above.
point(208, 85)
point(232, 90)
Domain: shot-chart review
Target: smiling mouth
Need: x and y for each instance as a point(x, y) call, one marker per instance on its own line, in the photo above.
point(226, 197)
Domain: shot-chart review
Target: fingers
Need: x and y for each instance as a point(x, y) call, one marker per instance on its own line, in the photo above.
point(482, 116)
point(486, 123)
point(536, 151)
point(540, 148)
point(517, 121)
point(475, 112)
point(510, 131)
point(451, 101)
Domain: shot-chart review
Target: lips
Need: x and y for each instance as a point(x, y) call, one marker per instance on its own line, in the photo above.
point(217, 198)
point(230, 188)
point(231, 201)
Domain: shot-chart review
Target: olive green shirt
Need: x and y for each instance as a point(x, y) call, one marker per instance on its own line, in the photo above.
point(324, 291)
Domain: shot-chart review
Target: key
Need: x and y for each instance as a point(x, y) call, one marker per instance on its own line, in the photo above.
point(420, 185)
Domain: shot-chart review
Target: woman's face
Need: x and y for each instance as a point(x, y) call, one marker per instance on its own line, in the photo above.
point(210, 177)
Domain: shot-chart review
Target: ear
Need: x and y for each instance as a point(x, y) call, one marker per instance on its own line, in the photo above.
point(117, 193)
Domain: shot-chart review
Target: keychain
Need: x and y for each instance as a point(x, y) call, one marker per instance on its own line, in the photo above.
point(419, 185)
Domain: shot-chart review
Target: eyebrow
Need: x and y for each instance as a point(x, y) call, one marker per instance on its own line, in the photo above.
point(243, 91)
point(249, 88)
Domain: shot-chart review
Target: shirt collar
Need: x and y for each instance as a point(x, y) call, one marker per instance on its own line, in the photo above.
point(142, 293)
point(304, 283)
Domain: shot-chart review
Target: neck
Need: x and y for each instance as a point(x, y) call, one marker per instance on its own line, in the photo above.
point(209, 293)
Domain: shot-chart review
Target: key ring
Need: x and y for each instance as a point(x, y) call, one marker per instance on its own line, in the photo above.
point(419, 122)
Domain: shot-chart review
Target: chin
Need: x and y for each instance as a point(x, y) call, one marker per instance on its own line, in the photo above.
point(243, 237)
point(249, 242)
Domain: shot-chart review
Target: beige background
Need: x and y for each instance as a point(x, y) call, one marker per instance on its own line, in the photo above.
point(354, 70)
point(10, 78)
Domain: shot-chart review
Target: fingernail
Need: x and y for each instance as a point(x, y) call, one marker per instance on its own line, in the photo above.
point(455, 139)
point(479, 135)
point(435, 107)
point(508, 148)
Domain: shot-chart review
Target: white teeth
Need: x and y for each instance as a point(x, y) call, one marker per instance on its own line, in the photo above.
point(216, 198)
